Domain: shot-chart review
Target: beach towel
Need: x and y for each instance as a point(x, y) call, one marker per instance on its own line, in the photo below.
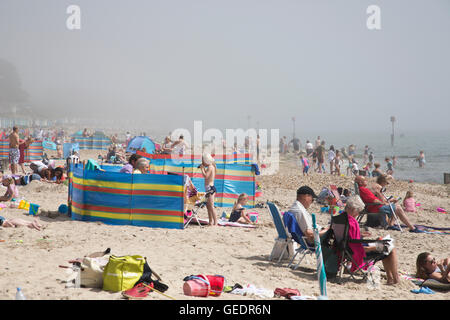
point(431, 230)
point(226, 223)
point(432, 283)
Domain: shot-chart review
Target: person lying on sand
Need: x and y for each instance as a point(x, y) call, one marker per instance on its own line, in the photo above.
point(16, 222)
point(430, 268)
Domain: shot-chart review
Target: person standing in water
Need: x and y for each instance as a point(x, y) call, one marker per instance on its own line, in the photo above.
point(421, 159)
point(208, 168)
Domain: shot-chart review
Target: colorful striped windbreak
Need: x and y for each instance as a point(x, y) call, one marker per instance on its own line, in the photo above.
point(96, 142)
point(148, 200)
point(33, 153)
point(232, 179)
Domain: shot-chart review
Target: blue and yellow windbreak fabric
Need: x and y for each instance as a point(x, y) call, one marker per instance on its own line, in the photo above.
point(147, 200)
point(95, 142)
point(33, 153)
point(231, 180)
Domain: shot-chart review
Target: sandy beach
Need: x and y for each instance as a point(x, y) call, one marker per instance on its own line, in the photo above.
point(31, 258)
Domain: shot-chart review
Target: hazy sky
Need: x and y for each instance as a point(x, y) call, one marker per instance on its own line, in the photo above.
point(175, 61)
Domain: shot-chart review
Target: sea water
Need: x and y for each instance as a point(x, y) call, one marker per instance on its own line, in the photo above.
point(407, 146)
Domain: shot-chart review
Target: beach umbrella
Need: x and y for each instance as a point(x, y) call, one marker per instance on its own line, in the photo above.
point(322, 277)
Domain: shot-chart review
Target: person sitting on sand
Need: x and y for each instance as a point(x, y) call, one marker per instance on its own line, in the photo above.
point(409, 203)
point(353, 207)
point(130, 166)
point(142, 166)
point(382, 207)
point(17, 222)
point(237, 213)
point(305, 197)
point(377, 171)
point(427, 267)
point(11, 189)
point(378, 185)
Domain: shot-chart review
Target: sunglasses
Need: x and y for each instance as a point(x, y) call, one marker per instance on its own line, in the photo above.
point(432, 261)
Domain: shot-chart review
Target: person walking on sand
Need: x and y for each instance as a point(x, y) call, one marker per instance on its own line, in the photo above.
point(208, 168)
point(14, 153)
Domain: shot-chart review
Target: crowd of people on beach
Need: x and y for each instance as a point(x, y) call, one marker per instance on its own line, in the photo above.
point(370, 179)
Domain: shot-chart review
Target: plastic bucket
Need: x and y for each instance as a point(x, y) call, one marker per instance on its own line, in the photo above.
point(216, 282)
point(23, 204)
point(196, 287)
point(34, 208)
point(253, 216)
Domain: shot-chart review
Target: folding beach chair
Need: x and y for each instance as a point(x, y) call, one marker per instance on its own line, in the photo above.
point(335, 192)
point(283, 241)
point(340, 227)
point(392, 209)
point(199, 205)
point(297, 235)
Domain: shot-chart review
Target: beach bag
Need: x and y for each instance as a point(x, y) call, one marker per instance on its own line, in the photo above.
point(278, 249)
point(91, 275)
point(329, 255)
point(122, 273)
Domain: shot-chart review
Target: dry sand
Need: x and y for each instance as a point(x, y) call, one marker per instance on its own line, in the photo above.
point(30, 258)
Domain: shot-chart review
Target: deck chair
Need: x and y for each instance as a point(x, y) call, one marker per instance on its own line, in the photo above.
point(284, 240)
point(297, 235)
point(383, 190)
point(340, 227)
point(335, 192)
point(196, 202)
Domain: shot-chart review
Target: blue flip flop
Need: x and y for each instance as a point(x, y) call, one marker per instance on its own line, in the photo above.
point(423, 290)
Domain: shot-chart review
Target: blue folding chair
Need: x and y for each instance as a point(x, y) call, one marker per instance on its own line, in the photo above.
point(296, 233)
point(283, 238)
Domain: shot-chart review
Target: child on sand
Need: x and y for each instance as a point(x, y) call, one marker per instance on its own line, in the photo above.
point(237, 214)
point(11, 189)
point(17, 222)
point(305, 164)
point(390, 166)
point(367, 168)
point(409, 203)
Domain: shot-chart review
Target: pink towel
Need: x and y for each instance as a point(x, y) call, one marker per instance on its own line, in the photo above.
point(357, 248)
